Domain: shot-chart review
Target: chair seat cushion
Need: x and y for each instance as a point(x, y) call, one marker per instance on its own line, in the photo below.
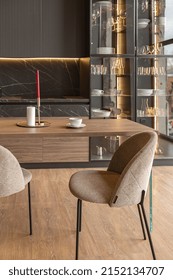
point(27, 176)
point(93, 185)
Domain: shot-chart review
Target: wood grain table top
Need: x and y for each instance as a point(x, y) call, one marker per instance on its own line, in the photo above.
point(58, 128)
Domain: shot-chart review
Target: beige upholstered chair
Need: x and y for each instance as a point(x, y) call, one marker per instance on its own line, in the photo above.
point(13, 178)
point(123, 184)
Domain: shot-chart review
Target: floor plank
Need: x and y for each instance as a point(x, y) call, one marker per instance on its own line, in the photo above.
point(107, 233)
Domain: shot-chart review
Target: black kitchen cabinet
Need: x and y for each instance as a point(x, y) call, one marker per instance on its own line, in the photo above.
point(44, 28)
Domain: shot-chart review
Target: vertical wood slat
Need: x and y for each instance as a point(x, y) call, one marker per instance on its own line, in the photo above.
point(41, 28)
point(20, 28)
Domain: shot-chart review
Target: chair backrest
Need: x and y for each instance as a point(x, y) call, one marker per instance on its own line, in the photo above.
point(11, 175)
point(133, 160)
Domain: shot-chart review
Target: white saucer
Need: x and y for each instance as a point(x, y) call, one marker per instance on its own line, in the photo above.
point(72, 126)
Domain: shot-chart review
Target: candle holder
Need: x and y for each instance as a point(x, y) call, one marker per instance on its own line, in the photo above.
point(38, 94)
point(32, 123)
point(37, 125)
point(38, 110)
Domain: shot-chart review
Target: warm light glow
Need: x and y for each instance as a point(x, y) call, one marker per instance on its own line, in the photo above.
point(38, 58)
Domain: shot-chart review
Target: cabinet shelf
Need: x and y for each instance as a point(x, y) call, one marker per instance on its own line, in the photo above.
point(150, 75)
point(106, 157)
point(117, 75)
point(157, 95)
point(151, 116)
point(111, 95)
point(120, 75)
point(115, 55)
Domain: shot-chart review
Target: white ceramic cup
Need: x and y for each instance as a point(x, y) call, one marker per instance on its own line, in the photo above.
point(30, 115)
point(75, 122)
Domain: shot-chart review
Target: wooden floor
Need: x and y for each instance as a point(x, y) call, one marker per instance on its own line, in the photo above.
point(107, 233)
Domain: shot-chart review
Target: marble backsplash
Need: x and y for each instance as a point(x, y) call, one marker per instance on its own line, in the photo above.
point(52, 110)
point(58, 77)
point(64, 90)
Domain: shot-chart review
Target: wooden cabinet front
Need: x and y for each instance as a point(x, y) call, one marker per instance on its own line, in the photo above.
point(66, 149)
point(28, 150)
point(48, 149)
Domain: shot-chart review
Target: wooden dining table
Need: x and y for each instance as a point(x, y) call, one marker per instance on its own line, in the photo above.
point(58, 143)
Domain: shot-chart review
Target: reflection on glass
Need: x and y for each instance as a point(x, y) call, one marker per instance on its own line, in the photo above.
point(112, 27)
point(98, 69)
point(102, 15)
point(144, 5)
point(157, 37)
point(118, 66)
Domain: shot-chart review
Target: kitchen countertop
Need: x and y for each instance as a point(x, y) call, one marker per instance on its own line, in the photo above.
point(63, 100)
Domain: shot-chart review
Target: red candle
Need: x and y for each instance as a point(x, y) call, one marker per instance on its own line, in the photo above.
point(38, 83)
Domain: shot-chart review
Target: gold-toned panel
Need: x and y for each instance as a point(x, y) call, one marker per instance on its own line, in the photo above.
point(121, 36)
point(65, 149)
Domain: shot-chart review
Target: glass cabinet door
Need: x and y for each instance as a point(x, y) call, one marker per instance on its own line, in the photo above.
point(155, 99)
point(155, 93)
point(112, 27)
point(154, 68)
point(112, 87)
point(112, 96)
point(112, 68)
point(154, 27)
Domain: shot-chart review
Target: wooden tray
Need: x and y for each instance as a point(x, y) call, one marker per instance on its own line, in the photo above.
point(42, 124)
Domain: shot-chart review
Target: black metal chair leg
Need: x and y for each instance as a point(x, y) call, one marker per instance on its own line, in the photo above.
point(30, 214)
point(147, 227)
point(80, 221)
point(78, 225)
point(142, 224)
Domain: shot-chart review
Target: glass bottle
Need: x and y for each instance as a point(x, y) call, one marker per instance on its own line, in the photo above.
point(144, 107)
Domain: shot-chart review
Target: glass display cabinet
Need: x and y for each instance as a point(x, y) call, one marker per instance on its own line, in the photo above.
point(154, 69)
point(131, 68)
point(112, 68)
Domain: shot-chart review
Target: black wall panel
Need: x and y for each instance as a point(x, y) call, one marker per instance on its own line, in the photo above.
point(44, 28)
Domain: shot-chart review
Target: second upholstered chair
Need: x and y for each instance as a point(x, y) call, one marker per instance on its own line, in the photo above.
point(124, 183)
point(13, 178)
